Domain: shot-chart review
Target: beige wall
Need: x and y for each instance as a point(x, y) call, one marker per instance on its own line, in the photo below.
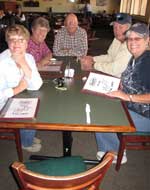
point(66, 6)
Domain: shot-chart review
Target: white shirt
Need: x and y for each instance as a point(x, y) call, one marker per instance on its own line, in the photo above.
point(116, 59)
point(10, 76)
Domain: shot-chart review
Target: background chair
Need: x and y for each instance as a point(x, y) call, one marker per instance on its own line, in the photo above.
point(89, 179)
point(132, 141)
point(13, 134)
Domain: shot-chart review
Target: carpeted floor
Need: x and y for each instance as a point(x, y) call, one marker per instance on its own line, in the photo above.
point(134, 175)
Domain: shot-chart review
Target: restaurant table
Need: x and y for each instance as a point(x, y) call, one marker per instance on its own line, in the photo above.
point(68, 61)
point(64, 110)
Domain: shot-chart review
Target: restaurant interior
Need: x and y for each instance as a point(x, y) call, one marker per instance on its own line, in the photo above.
point(135, 174)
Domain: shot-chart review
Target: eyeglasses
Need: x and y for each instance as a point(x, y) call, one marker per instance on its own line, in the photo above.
point(14, 40)
point(134, 39)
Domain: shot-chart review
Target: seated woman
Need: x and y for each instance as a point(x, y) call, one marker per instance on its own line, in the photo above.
point(135, 88)
point(37, 46)
point(18, 72)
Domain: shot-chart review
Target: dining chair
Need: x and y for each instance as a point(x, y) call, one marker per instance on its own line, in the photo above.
point(132, 141)
point(66, 173)
point(13, 134)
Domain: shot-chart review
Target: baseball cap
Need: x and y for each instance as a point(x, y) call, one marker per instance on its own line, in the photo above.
point(140, 28)
point(122, 18)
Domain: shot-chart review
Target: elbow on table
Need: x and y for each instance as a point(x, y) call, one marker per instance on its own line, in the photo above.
point(35, 86)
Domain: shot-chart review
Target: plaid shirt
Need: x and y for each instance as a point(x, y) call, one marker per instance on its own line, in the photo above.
point(76, 44)
point(38, 51)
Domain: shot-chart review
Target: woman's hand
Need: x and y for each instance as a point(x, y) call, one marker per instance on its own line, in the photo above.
point(21, 62)
point(21, 86)
point(45, 60)
point(119, 94)
point(19, 58)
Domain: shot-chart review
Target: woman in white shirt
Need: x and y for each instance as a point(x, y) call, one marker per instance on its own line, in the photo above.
point(18, 72)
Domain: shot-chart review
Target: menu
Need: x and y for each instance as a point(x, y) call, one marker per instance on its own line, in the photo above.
point(51, 67)
point(20, 108)
point(100, 83)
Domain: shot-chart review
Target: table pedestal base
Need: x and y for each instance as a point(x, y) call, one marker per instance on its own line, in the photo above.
point(67, 145)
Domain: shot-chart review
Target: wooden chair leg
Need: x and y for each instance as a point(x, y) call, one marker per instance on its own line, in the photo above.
point(18, 145)
point(120, 152)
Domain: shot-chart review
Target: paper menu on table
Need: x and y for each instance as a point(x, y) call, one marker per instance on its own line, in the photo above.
point(101, 83)
point(20, 108)
point(55, 67)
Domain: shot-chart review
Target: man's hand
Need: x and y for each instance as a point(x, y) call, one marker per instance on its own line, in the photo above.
point(87, 63)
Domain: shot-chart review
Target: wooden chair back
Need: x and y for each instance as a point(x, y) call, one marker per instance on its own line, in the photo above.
point(89, 179)
point(13, 134)
point(132, 141)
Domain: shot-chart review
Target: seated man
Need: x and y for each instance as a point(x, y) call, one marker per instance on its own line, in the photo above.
point(36, 45)
point(117, 57)
point(71, 40)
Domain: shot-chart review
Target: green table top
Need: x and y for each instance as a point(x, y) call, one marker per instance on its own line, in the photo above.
point(67, 107)
point(65, 110)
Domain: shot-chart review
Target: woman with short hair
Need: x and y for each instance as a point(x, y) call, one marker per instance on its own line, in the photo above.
point(18, 72)
point(37, 45)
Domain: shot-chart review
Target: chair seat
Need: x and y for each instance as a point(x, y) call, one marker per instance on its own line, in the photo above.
point(89, 179)
point(58, 166)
